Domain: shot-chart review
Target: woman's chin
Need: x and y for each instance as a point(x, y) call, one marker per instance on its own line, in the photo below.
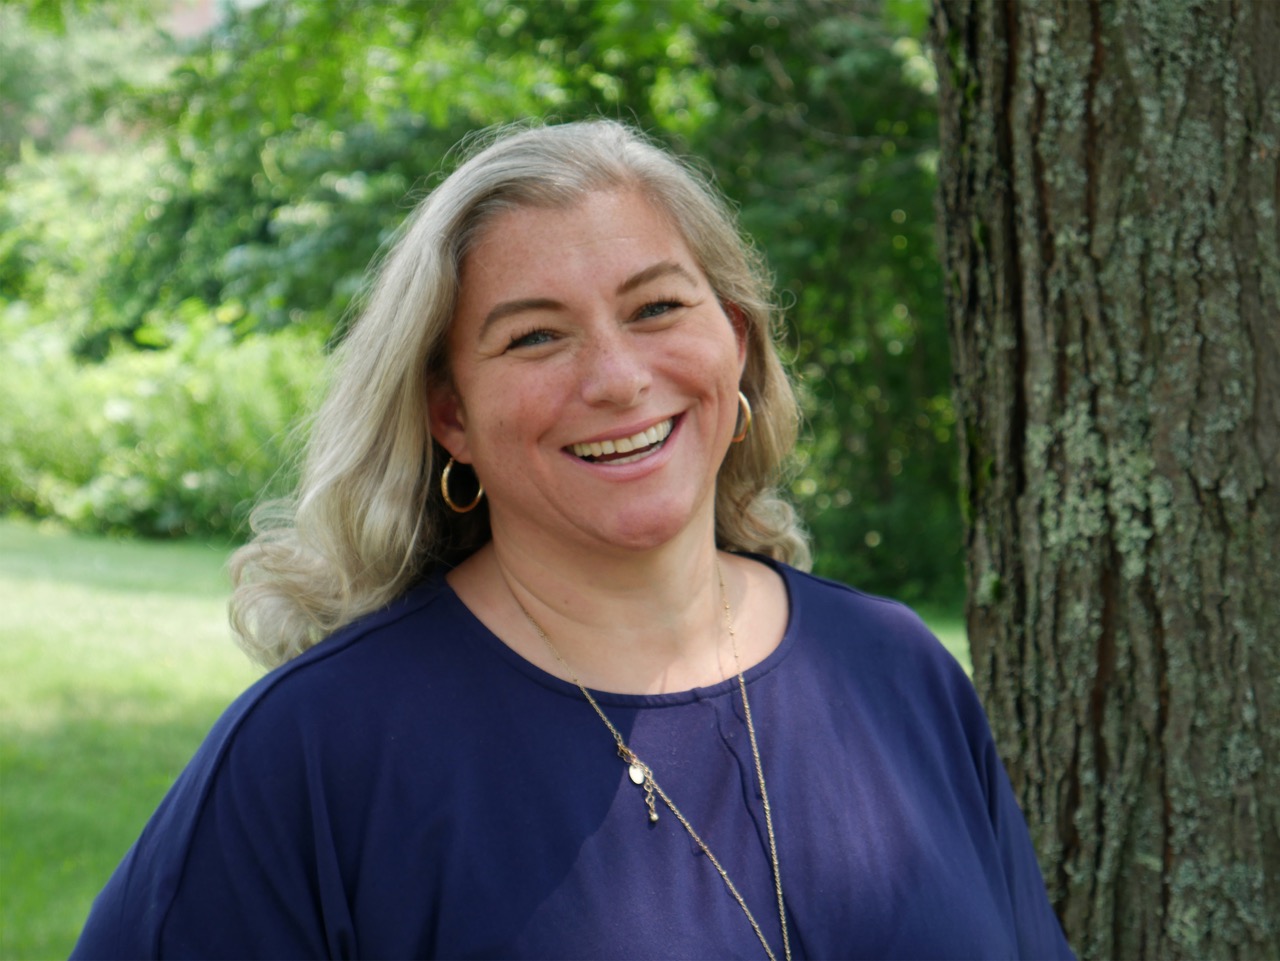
point(641, 531)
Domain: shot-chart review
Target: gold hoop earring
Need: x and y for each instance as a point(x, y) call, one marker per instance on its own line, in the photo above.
point(744, 417)
point(444, 490)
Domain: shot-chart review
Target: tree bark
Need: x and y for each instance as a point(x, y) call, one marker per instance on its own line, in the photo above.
point(1109, 181)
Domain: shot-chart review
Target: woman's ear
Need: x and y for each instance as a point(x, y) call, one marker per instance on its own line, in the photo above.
point(447, 422)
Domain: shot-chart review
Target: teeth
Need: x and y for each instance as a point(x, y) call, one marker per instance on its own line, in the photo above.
point(625, 445)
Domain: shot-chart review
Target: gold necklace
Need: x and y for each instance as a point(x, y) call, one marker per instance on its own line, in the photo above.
point(642, 775)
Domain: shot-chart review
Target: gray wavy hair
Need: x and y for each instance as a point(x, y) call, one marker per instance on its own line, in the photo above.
point(367, 519)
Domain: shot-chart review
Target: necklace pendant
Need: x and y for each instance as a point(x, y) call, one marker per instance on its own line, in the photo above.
point(637, 774)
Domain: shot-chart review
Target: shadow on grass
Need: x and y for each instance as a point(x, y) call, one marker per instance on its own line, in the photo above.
point(75, 793)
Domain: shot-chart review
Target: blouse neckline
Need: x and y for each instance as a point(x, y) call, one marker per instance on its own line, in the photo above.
point(722, 688)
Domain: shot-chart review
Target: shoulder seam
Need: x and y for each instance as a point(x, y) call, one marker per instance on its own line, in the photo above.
point(341, 642)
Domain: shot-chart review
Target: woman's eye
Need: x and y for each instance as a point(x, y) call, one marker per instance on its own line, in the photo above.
point(533, 338)
point(657, 309)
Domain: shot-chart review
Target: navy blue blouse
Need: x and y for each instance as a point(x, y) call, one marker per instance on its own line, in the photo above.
point(413, 788)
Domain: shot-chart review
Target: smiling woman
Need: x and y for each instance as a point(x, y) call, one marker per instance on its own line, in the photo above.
point(549, 681)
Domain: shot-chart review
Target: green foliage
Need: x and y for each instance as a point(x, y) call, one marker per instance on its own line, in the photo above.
point(60, 217)
point(297, 134)
point(268, 167)
point(62, 64)
point(167, 442)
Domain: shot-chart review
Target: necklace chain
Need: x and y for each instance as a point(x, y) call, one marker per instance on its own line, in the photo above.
point(642, 774)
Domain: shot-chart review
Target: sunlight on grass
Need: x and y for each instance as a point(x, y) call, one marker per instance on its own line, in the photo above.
point(117, 659)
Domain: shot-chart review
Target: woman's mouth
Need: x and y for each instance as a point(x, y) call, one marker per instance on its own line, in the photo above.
point(624, 450)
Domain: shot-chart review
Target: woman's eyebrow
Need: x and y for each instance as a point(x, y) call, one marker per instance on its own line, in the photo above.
point(662, 268)
point(509, 307)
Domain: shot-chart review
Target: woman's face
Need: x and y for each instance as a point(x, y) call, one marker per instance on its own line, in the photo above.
point(595, 377)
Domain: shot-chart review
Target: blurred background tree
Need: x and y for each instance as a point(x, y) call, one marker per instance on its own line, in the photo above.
point(185, 225)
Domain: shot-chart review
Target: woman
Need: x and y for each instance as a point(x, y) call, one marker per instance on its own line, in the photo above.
point(548, 685)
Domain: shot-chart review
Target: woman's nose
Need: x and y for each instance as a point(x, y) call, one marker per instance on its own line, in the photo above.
point(614, 370)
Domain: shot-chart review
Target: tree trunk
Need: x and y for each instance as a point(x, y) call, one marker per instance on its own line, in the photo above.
point(1109, 182)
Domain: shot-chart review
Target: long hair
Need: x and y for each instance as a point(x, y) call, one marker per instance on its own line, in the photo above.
point(367, 518)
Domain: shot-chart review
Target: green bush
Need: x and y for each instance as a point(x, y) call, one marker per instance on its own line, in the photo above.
point(170, 442)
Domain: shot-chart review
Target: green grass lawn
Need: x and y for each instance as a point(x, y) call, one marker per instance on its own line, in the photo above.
point(116, 658)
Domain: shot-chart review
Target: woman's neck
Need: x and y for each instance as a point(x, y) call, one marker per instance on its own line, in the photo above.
point(641, 623)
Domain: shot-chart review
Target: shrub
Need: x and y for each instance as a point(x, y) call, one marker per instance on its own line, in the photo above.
point(170, 442)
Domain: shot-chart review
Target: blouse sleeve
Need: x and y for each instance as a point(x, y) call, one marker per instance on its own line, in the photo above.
point(236, 862)
point(1038, 929)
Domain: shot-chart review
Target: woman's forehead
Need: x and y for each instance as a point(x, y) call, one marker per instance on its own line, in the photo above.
point(603, 226)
